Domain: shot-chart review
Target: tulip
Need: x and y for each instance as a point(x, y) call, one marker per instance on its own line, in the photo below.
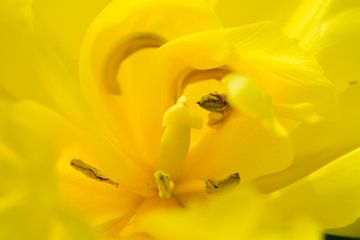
point(164, 119)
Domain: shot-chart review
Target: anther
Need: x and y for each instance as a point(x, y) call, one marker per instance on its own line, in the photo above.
point(215, 186)
point(91, 172)
point(213, 102)
point(164, 184)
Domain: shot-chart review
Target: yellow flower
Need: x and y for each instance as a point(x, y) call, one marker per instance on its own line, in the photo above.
point(138, 160)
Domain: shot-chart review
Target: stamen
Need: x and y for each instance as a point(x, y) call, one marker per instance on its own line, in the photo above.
point(122, 51)
point(91, 172)
point(216, 186)
point(218, 107)
point(164, 184)
point(214, 102)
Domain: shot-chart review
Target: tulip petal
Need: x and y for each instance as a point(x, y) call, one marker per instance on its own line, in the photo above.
point(311, 13)
point(333, 190)
point(247, 97)
point(239, 214)
point(19, 56)
point(287, 73)
point(336, 44)
point(240, 145)
point(320, 143)
point(29, 137)
point(26, 148)
point(63, 24)
point(28, 70)
point(239, 12)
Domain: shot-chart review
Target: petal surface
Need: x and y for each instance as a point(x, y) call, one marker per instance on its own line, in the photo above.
point(318, 144)
point(330, 195)
point(336, 43)
point(29, 70)
point(240, 12)
point(27, 148)
point(62, 26)
point(311, 13)
point(240, 145)
point(236, 215)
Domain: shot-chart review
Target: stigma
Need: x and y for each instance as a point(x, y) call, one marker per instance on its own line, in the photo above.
point(164, 184)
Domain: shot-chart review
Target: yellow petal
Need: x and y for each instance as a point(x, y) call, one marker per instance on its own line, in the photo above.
point(286, 72)
point(330, 195)
point(37, 224)
point(10, 166)
point(29, 137)
point(239, 214)
point(72, 226)
point(28, 70)
point(336, 43)
point(320, 143)
point(240, 145)
point(19, 55)
point(27, 147)
point(306, 15)
point(64, 33)
point(240, 12)
point(310, 14)
point(247, 97)
point(304, 112)
point(43, 222)
point(220, 215)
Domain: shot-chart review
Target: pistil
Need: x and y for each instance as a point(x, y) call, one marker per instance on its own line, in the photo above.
point(178, 121)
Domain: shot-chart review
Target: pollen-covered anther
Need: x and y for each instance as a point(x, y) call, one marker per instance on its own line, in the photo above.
point(91, 171)
point(216, 186)
point(213, 102)
point(217, 106)
point(164, 184)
